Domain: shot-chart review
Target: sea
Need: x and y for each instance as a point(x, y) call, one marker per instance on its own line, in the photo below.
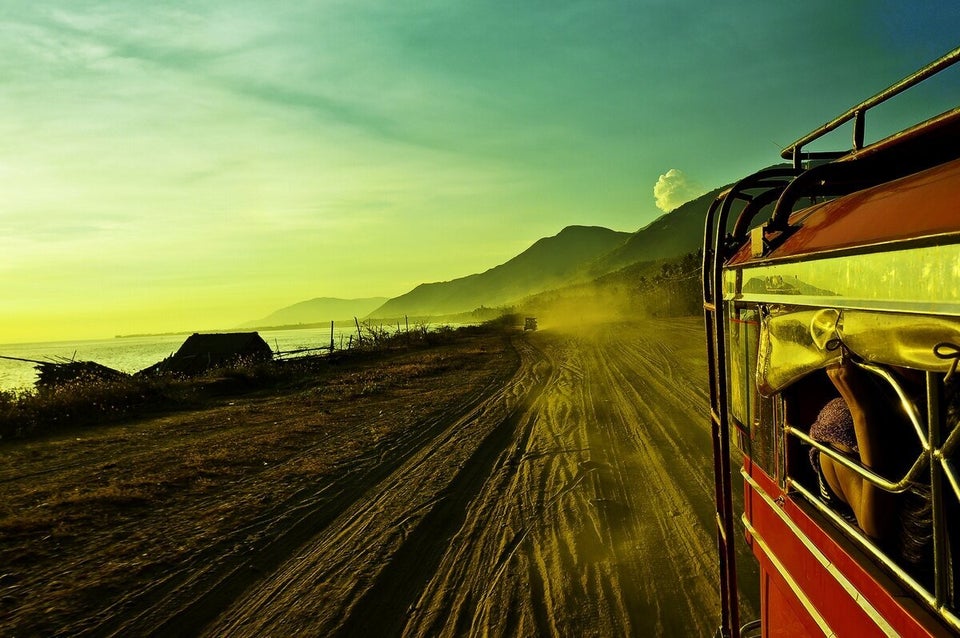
point(131, 354)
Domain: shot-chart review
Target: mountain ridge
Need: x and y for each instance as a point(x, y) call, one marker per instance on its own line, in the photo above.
point(548, 262)
point(577, 254)
point(319, 309)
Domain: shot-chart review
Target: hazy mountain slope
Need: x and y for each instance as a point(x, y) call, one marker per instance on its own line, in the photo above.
point(577, 254)
point(319, 310)
point(676, 233)
point(663, 287)
point(549, 262)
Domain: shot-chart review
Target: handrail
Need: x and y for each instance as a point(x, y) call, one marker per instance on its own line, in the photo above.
point(864, 472)
point(867, 474)
point(905, 401)
point(713, 256)
point(858, 112)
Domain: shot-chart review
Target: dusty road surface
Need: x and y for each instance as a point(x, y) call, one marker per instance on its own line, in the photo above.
point(542, 484)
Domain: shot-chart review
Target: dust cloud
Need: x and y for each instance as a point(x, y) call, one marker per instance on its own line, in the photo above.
point(586, 308)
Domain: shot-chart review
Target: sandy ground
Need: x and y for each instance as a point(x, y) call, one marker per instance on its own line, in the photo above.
point(541, 484)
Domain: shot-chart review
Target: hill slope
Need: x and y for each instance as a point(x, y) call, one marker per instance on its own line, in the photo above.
point(676, 233)
point(549, 262)
point(318, 310)
point(576, 255)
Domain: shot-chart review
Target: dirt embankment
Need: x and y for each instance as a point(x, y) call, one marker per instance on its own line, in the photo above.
point(538, 484)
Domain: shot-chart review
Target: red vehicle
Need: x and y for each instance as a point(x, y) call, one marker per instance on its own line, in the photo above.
point(831, 289)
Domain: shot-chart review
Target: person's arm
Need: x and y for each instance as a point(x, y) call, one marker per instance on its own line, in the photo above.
point(872, 506)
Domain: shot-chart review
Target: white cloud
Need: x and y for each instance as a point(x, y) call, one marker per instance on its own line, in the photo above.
point(674, 188)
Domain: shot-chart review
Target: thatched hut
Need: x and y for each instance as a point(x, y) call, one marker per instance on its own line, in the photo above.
point(202, 352)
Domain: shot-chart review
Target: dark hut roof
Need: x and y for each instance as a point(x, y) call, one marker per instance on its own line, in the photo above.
point(202, 352)
point(224, 345)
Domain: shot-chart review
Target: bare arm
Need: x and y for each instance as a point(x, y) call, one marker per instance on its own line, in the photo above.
point(872, 506)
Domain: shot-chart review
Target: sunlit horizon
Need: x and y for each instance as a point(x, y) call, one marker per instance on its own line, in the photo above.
point(181, 168)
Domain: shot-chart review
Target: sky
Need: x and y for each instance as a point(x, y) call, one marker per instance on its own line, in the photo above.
point(196, 165)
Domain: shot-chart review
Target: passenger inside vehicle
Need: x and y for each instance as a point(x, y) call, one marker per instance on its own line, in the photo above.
point(867, 422)
point(858, 424)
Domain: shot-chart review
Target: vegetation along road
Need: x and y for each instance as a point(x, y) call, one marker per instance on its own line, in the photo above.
point(548, 483)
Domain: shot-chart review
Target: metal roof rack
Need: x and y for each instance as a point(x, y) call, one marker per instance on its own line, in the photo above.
point(857, 113)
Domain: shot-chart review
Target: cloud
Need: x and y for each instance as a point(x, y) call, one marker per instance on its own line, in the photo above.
point(674, 188)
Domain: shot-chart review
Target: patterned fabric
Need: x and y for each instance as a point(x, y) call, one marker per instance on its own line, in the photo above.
point(834, 425)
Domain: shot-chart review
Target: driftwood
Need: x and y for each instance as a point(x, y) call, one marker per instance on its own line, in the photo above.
point(52, 374)
point(57, 372)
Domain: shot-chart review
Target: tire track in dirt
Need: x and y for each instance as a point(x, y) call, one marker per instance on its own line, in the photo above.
point(235, 522)
point(359, 574)
point(586, 510)
point(573, 498)
point(195, 595)
point(600, 529)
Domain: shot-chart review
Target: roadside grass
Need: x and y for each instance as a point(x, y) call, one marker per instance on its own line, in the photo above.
point(25, 413)
point(84, 403)
point(190, 470)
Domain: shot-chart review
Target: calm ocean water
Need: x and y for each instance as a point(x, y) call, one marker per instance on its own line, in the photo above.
point(130, 354)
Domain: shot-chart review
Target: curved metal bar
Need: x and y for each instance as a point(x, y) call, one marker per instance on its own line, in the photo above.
point(951, 473)
point(773, 178)
point(753, 207)
point(791, 152)
point(912, 412)
point(826, 180)
point(867, 474)
point(709, 295)
point(952, 442)
point(748, 630)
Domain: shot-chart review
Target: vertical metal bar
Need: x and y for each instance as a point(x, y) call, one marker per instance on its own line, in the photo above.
point(712, 265)
point(714, 252)
point(859, 122)
point(725, 534)
point(941, 556)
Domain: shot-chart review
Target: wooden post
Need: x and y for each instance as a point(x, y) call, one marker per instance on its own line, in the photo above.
point(359, 334)
point(331, 336)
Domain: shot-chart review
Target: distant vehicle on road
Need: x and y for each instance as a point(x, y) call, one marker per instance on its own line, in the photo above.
point(530, 323)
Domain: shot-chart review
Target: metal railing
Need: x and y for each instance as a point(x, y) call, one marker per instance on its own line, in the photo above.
point(934, 457)
point(858, 113)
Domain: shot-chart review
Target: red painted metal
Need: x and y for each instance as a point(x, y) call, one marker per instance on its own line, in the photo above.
point(890, 212)
point(784, 613)
point(902, 190)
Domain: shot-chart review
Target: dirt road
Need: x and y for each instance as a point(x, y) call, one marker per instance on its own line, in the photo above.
point(561, 487)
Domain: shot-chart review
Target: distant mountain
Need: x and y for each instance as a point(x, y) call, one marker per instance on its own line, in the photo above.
point(676, 233)
point(549, 262)
point(576, 255)
point(319, 310)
